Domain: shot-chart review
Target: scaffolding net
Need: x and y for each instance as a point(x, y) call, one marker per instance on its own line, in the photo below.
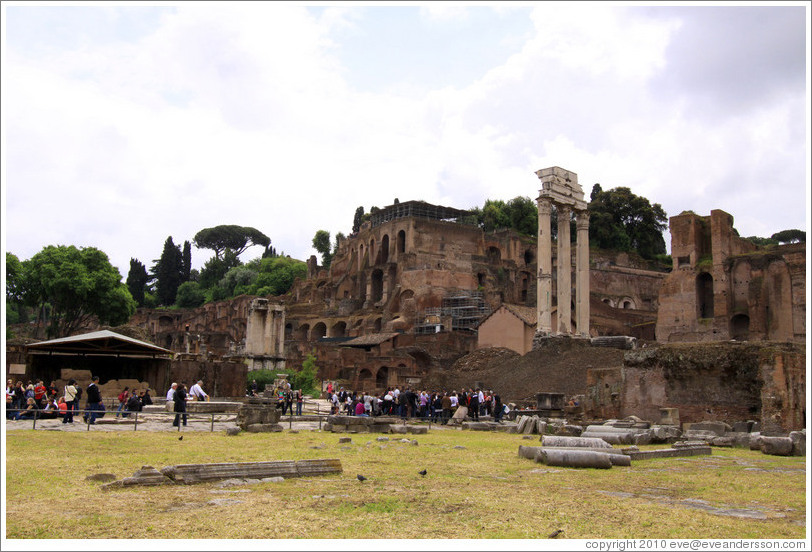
point(464, 311)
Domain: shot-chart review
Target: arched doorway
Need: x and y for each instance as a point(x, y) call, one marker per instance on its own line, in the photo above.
point(740, 327)
point(382, 378)
point(365, 380)
point(494, 255)
point(319, 331)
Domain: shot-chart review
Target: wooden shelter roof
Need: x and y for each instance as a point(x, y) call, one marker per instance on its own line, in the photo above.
point(103, 342)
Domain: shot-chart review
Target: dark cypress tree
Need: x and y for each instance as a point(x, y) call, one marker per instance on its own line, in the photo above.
point(358, 219)
point(137, 280)
point(186, 261)
point(167, 273)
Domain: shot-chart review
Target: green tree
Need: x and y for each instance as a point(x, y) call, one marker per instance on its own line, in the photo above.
point(186, 262)
point(790, 236)
point(358, 219)
point(15, 308)
point(761, 241)
point(230, 237)
point(275, 276)
point(78, 285)
point(236, 279)
point(14, 278)
point(523, 215)
point(306, 377)
point(190, 295)
point(167, 272)
point(321, 243)
point(215, 269)
point(137, 280)
point(519, 214)
point(619, 219)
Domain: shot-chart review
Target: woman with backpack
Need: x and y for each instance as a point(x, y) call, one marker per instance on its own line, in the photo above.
point(122, 400)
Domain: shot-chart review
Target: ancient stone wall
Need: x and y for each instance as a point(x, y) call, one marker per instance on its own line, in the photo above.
point(726, 382)
point(724, 287)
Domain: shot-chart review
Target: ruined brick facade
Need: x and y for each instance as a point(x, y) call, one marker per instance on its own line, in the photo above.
point(724, 287)
point(727, 382)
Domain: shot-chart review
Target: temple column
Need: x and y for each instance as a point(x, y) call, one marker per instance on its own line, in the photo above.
point(582, 273)
point(564, 270)
point(544, 288)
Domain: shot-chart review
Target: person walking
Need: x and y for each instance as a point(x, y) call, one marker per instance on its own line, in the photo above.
point(180, 405)
point(299, 402)
point(122, 401)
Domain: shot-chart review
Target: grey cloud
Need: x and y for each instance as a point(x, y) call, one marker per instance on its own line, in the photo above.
point(726, 60)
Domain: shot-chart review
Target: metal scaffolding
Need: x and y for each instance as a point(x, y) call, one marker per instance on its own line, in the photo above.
point(421, 209)
point(464, 311)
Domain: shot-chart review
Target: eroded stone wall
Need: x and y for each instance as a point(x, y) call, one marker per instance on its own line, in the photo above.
point(726, 382)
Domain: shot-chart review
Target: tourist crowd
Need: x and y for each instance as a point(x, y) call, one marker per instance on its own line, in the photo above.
point(27, 401)
point(437, 406)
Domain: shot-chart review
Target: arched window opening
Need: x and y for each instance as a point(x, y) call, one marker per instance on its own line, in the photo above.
point(704, 295)
point(319, 331)
point(401, 242)
point(385, 248)
point(528, 257)
point(377, 285)
point(339, 329)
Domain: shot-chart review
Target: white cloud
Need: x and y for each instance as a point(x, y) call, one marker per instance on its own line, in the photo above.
point(245, 115)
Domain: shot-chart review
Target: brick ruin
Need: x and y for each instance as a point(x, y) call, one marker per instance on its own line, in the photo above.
point(724, 287)
point(404, 297)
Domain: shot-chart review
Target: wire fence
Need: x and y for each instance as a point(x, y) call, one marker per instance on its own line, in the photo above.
point(88, 416)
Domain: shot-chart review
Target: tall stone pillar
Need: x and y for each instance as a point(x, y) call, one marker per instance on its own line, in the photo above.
point(560, 187)
point(582, 273)
point(564, 270)
point(544, 289)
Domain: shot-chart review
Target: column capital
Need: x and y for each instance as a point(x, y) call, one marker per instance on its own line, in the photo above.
point(545, 206)
point(582, 220)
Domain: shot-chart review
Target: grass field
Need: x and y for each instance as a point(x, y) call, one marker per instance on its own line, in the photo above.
point(484, 490)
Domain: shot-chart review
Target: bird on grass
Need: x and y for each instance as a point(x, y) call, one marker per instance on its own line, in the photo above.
point(423, 472)
point(180, 438)
point(361, 477)
point(555, 533)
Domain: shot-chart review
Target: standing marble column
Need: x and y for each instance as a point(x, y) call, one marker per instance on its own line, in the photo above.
point(564, 280)
point(582, 273)
point(544, 287)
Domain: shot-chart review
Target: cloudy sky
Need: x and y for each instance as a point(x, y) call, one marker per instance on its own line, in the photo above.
point(125, 124)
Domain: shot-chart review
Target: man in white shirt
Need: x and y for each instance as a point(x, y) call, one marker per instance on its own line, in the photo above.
point(197, 391)
point(170, 395)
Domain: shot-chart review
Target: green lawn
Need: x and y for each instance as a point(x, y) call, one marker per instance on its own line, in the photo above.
point(484, 490)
